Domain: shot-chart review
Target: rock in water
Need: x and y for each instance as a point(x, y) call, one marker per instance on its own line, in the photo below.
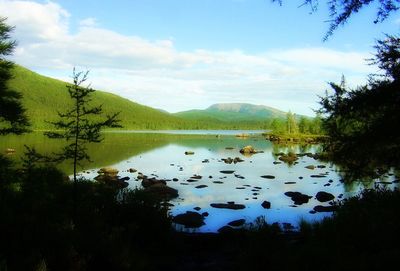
point(266, 204)
point(231, 206)
point(324, 196)
point(248, 150)
point(189, 219)
point(298, 197)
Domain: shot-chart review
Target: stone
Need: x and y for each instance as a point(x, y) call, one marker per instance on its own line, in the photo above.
point(237, 160)
point(189, 219)
point(298, 198)
point(266, 204)
point(237, 223)
point(201, 186)
point(268, 177)
point(132, 170)
point(248, 150)
point(189, 152)
point(162, 191)
point(321, 209)
point(227, 171)
point(231, 206)
point(324, 196)
point(288, 158)
point(312, 167)
point(108, 171)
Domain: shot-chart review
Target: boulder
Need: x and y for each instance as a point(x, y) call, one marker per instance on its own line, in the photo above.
point(248, 150)
point(298, 198)
point(189, 219)
point(149, 182)
point(227, 160)
point(108, 171)
point(310, 167)
point(162, 191)
point(132, 170)
point(266, 204)
point(237, 160)
point(324, 196)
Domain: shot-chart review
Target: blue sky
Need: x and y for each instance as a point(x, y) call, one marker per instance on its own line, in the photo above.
point(183, 54)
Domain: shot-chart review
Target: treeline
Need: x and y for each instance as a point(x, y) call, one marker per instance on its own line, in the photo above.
point(297, 125)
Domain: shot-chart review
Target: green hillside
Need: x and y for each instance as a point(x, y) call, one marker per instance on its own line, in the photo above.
point(43, 97)
point(234, 112)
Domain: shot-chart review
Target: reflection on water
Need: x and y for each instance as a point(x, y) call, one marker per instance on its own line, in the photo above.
point(163, 156)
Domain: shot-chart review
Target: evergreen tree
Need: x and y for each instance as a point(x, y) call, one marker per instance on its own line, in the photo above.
point(12, 114)
point(291, 123)
point(79, 126)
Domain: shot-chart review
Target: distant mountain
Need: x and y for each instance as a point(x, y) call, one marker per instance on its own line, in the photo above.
point(234, 112)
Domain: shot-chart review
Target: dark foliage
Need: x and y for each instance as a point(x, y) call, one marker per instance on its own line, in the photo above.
point(12, 114)
point(340, 11)
point(362, 122)
point(113, 229)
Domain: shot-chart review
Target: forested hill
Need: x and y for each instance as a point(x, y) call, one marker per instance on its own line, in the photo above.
point(43, 97)
point(234, 112)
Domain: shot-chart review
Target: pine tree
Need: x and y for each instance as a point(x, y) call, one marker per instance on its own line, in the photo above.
point(12, 113)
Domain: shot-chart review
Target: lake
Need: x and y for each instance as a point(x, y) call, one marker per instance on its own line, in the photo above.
point(161, 154)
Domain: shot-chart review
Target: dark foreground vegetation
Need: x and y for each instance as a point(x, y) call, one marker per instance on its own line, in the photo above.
point(118, 229)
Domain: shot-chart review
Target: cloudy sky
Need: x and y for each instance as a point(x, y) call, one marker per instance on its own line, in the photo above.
point(183, 54)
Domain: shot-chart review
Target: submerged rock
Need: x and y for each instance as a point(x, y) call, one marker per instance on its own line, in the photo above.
point(189, 219)
point(189, 152)
point(288, 158)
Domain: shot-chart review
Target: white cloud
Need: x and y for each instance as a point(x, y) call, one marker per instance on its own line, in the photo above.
point(155, 73)
point(89, 22)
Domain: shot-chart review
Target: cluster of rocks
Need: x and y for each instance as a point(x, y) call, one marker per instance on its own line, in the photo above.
point(158, 188)
point(110, 176)
point(235, 160)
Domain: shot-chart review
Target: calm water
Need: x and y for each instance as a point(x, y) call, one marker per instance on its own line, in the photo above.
point(162, 155)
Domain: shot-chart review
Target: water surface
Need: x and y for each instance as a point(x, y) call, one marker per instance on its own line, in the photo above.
point(162, 155)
